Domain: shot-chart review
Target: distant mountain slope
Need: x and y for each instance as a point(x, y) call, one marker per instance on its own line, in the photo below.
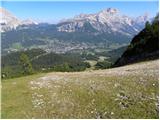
point(109, 20)
point(144, 46)
point(104, 29)
point(10, 21)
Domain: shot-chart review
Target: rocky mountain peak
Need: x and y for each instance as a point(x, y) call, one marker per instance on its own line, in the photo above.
point(7, 17)
point(143, 18)
point(29, 21)
point(4, 11)
point(110, 11)
point(107, 21)
point(8, 21)
point(81, 16)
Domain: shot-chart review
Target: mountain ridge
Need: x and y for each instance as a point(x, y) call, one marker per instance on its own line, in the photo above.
point(107, 20)
point(9, 21)
point(103, 17)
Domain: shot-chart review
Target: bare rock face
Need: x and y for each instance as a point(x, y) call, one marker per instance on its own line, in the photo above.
point(108, 20)
point(8, 21)
point(28, 22)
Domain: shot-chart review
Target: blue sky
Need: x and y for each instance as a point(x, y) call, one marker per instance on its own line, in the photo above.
point(49, 11)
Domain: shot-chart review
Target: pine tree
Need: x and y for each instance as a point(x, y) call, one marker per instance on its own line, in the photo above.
point(26, 65)
point(148, 26)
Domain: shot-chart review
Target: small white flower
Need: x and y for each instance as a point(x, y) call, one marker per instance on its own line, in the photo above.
point(112, 113)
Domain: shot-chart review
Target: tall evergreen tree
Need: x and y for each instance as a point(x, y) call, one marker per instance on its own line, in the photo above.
point(26, 64)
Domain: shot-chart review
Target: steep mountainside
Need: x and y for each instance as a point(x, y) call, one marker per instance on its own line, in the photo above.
point(144, 46)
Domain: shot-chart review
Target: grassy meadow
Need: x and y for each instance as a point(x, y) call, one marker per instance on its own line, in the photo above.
point(124, 92)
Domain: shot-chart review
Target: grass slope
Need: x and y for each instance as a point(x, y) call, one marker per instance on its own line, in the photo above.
point(125, 92)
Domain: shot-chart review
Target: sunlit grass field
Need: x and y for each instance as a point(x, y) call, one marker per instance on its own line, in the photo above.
point(125, 92)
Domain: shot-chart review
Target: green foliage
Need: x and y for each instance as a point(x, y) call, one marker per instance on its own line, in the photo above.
point(17, 46)
point(146, 41)
point(63, 68)
point(103, 65)
point(148, 26)
point(89, 56)
point(144, 46)
point(23, 62)
point(107, 94)
point(10, 63)
point(26, 64)
point(71, 67)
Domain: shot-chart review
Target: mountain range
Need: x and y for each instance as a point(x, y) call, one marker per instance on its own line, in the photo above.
point(109, 20)
point(10, 21)
point(103, 29)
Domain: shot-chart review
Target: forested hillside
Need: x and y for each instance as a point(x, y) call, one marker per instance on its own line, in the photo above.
point(144, 46)
point(42, 61)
